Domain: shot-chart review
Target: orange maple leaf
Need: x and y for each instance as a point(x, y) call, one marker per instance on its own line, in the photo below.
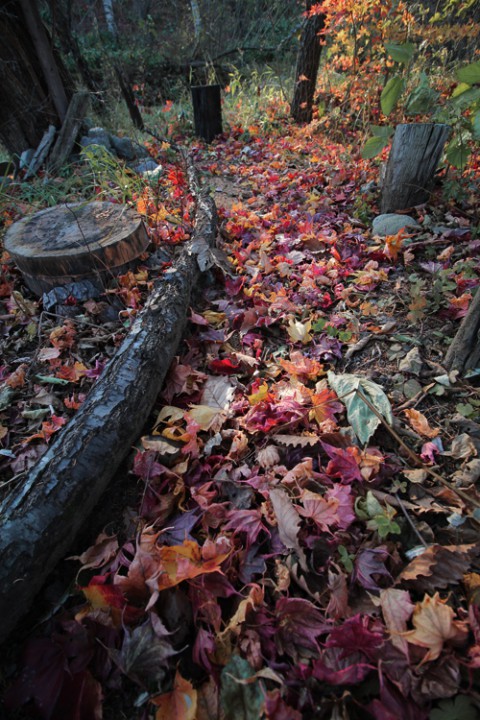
point(434, 625)
point(179, 704)
point(184, 562)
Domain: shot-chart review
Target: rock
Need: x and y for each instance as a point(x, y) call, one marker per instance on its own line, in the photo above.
point(392, 223)
point(127, 149)
point(100, 137)
point(26, 158)
point(85, 142)
point(148, 167)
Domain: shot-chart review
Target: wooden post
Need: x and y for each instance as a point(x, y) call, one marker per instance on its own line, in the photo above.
point(69, 131)
point(415, 154)
point(207, 111)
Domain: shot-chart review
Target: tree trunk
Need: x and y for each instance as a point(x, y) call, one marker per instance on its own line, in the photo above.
point(415, 154)
point(27, 106)
point(39, 521)
point(69, 131)
point(308, 60)
point(464, 352)
point(207, 111)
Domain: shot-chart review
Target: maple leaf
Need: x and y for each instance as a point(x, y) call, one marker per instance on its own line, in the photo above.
point(179, 704)
point(393, 244)
point(419, 423)
point(299, 332)
point(369, 563)
point(344, 464)
point(104, 549)
point(322, 511)
point(325, 407)
point(337, 668)
point(247, 521)
point(102, 594)
point(434, 625)
point(299, 623)
point(301, 366)
point(17, 377)
point(438, 566)
point(177, 563)
point(397, 608)
point(288, 521)
point(355, 634)
point(145, 652)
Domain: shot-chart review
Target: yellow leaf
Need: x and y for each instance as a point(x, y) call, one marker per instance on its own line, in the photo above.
point(300, 332)
point(207, 417)
point(260, 395)
point(434, 624)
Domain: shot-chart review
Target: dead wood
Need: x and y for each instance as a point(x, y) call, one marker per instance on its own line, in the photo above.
point(40, 520)
point(464, 352)
point(69, 131)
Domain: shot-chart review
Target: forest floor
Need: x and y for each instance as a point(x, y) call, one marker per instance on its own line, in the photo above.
point(310, 548)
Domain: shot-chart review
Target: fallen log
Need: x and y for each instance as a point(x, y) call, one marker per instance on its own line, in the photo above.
point(39, 521)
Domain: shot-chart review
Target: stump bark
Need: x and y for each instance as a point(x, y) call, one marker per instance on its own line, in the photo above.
point(74, 242)
point(39, 521)
point(415, 154)
point(464, 352)
point(207, 111)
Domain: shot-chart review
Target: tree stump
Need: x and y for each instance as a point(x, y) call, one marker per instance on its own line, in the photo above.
point(207, 111)
point(415, 154)
point(464, 352)
point(73, 242)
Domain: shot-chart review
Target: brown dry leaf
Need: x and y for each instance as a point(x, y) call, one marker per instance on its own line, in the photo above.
point(99, 554)
point(419, 423)
point(434, 625)
point(288, 521)
point(296, 440)
point(438, 567)
point(207, 701)
point(472, 585)
point(397, 609)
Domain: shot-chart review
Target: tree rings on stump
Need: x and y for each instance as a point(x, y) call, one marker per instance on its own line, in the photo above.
point(75, 241)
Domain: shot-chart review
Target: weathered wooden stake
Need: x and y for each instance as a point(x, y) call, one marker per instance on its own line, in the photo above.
point(415, 154)
point(207, 111)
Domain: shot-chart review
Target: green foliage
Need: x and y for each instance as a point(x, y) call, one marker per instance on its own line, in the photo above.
point(379, 518)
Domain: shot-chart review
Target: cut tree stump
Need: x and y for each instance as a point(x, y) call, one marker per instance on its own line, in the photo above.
point(207, 111)
point(73, 242)
point(40, 519)
point(464, 352)
point(415, 154)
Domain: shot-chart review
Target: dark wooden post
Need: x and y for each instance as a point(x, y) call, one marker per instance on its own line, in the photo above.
point(415, 154)
point(207, 111)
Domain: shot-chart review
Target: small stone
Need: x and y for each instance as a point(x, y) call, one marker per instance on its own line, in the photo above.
point(392, 223)
point(26, 158)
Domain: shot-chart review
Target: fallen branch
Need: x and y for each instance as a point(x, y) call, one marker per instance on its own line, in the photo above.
point(40, 520)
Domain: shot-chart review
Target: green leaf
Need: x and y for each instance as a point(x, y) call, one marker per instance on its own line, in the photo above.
point(470, 73)
point(460, 708)
point(422, 99)
point(461, 88)
point(364, 422)
point(240, 701)
point(391, 94)
point(458, 153)
point(466, 99)
point(373, 147)
point(382, 131)
point(400, 53)
point(52, 379)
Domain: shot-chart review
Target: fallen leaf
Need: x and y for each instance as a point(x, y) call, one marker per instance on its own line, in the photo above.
point(434, 625)
point(179, 704)
point(419, 423)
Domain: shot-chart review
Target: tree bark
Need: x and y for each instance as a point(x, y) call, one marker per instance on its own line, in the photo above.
point(39, 521)
point(308, 60)
point(464, 352)
point(26, 103)
point(415, 154)
point(69, 131)
point(207, 111)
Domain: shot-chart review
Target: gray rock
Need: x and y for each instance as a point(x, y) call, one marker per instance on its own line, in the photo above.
point(148, 167)
point(100, 136)
point(26, 158)
point(93, 142)
point(127, 149)
point(392, 223)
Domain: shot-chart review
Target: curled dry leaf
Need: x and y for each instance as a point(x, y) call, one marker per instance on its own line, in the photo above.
point(419, 423)
point(434, 625)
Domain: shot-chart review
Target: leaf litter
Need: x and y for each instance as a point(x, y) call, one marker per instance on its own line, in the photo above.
point(306, 538)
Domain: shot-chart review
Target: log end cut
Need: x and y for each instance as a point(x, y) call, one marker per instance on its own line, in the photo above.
point(74, 242)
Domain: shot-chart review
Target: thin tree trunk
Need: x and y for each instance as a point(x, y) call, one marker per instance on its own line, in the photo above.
point(464, 352)
point(308, 60)
point(39, 521)
point(45, 56)
point(110, 18)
